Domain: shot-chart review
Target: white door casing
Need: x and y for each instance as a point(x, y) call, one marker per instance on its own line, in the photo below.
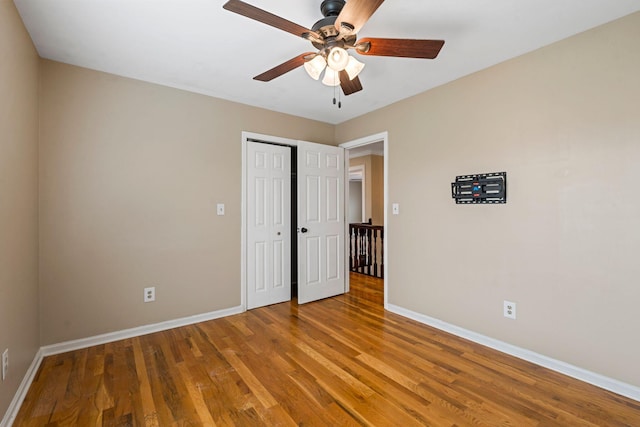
point(268, 222)
point(361, 142)
point(321, 222)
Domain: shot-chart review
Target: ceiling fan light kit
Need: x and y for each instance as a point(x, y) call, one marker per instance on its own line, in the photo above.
point(314, 67)
point(333, 35)
point(353, 67)
point(331, 77)
point(337, 59)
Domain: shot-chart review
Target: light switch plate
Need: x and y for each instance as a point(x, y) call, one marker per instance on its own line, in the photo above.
point(395, 208)
point(220, 208)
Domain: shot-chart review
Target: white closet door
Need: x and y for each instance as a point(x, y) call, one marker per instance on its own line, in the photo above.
point(268, 224)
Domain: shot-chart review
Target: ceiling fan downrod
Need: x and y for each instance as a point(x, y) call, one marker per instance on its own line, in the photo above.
point(331, 7)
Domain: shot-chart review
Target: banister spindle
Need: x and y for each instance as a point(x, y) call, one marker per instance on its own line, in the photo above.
point(365, 240)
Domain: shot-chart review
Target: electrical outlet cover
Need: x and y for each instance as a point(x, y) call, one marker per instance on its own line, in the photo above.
point(150, 294)
point(509, 309)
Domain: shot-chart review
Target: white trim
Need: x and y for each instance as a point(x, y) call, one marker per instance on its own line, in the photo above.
point(366, 140)
point(619, 387)
point(356, 173)
point(81, 343)
point(18, 398)
point(243, 225)
point(347, 236)
point(384, 137)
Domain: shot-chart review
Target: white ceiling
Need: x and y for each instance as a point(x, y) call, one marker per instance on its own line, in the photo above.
point(197, 46)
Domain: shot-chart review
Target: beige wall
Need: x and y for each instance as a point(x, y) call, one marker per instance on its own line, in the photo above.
point(130, 176)
point(366, 188)
point(18, 199)
point(377, 189)
point(373, 186)
point(564, 123)
point(355, 201)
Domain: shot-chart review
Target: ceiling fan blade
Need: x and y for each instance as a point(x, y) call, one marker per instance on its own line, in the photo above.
point(265, 17)
point(283, 68)
point(404, 48)
point(356, 13)
point(349, 86)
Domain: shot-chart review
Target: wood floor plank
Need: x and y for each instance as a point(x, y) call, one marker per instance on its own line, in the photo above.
point(149, 414)
point(343, 361)
point(372, 381)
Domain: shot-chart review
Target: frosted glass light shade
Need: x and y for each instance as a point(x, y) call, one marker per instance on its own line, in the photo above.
point(331, 78)
point(337, 59)
point(353, 67)
point(315, 66)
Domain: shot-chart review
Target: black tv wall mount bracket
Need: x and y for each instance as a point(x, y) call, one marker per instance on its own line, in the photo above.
point(480, 188)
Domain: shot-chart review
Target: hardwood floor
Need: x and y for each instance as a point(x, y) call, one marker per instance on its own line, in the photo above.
point(343, 361)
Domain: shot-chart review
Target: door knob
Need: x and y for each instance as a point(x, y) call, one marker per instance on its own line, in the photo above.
point(303, 230)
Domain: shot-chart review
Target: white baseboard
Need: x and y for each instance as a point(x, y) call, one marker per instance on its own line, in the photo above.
point(18, 398)
point(78, 344)
point(598, 380)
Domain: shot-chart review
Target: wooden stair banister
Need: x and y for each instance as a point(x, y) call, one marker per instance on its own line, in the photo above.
point(366, 249)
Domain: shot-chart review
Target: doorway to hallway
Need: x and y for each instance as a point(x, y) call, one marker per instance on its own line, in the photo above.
point(366, 211)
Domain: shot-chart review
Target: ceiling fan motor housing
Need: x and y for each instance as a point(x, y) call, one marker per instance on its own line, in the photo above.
point(326, 27)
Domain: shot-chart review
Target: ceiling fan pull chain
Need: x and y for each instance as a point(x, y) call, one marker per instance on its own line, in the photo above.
point(339, 100)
